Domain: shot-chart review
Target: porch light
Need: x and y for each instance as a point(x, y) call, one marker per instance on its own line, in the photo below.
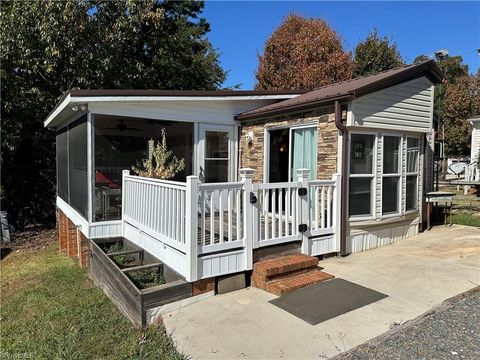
point(249, 137)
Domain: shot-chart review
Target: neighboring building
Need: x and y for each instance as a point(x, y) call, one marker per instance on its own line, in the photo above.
point(367, 144)
point(472, 172)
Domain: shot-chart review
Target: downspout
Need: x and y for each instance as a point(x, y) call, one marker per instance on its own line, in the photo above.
point(344, 175)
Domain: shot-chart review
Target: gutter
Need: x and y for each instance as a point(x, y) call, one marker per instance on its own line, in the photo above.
point(344, 174)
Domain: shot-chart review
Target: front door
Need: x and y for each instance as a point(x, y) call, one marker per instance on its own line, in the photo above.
point(215, 153)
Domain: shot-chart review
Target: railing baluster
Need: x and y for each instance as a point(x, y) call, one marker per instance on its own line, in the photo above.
point(273, 214)
point(212, 218)
point(202, 209)
point(229, 216)
point(287, 212)
point(323, 208)
point(238, 223)
point(329, 207)
point(266, 196)
point(220, 216)
point(280, 208)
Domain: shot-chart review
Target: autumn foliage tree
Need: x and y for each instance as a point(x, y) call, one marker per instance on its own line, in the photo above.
point(303, 53)
point(461, 100)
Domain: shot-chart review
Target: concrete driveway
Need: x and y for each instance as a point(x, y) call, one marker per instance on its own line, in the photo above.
point(417, 274)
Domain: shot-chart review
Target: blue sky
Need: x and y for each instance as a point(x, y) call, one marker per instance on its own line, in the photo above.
point(239, 28)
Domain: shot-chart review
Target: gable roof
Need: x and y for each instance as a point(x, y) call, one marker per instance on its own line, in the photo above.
point(348, 90)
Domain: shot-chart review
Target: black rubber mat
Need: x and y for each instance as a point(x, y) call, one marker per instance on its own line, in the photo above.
point(317, 303)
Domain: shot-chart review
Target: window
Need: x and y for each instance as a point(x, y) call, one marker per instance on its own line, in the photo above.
point(216, 156)
point(72, 183)
point(411, 193)
point(391, 176)
point(362, 174)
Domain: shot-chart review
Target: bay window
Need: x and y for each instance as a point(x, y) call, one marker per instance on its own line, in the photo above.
point(391, 175)
point(362, 175)
point(411, 188)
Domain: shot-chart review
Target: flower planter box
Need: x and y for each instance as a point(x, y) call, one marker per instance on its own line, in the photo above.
point(135, 299)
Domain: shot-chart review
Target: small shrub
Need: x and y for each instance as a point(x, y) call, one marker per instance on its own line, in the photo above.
point(146, 278)
point(120, 260)
point(161, 164)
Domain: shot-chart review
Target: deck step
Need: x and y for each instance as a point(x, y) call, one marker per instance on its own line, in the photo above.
point(287, 273)
point(285, 285)
point(284, 265)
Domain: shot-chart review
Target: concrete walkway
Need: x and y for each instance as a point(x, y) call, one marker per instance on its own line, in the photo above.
point(417, 274)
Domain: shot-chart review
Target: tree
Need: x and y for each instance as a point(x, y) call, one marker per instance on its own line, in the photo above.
point(421, 58)
point(376, 54)
point(302, 53)
point(461, 100)
point(48, 47)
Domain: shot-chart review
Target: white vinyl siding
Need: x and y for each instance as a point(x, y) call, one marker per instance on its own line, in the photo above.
point(407, 106)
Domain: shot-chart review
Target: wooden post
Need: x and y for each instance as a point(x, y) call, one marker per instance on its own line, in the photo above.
point(337, 210)
point(191, 227)
point(246, 175)
point(303, 176)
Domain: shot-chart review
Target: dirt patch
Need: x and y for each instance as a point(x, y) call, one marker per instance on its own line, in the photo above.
point(33, 238)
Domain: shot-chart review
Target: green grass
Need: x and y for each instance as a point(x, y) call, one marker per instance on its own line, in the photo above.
point(51, 310)
point(466, 218)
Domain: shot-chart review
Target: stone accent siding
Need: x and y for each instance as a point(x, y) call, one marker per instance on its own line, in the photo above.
point(252, 154)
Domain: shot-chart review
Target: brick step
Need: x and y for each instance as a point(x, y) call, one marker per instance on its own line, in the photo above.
point(285, 285)
point(268, 269)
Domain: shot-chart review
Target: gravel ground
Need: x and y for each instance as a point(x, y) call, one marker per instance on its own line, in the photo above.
point(450, 331)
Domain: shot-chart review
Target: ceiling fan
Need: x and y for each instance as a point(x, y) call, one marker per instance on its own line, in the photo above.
point(122, 127)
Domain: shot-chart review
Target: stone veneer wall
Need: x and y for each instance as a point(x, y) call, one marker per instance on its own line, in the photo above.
point(252, 155)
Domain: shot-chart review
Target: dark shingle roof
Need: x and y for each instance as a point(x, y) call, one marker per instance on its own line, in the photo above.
point(350, 89)
point(184, 93)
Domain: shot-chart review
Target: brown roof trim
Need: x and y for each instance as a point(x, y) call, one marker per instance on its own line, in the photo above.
point(348, 90)
point(297, 107)
point(185, 93)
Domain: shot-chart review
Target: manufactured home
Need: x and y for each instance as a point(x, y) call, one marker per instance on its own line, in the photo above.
point(330, 171)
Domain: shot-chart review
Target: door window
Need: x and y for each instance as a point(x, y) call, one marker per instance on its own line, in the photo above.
point(304, 152)
point(216, 156)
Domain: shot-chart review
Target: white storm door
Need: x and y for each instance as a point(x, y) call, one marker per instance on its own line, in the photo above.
point(215, 153)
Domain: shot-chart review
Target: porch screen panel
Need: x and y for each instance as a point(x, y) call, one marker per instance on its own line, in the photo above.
point(304, 151)
point(77, 161)
point(124, 142)
point(62, 164)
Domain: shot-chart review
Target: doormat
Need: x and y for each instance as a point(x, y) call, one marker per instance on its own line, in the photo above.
point(326, 300)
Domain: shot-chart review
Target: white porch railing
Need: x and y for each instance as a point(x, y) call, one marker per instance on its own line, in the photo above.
point(204, 230)
point(157, 207)
point(472, 172)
